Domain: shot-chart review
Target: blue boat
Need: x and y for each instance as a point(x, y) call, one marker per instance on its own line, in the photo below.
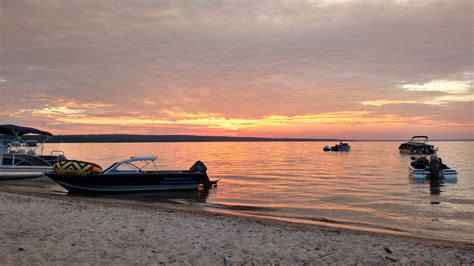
point(423, 168)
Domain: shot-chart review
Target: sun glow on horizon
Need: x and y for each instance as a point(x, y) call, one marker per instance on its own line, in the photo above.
point(230, 124)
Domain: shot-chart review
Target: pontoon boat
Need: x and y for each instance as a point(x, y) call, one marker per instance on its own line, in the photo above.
point(19, 157)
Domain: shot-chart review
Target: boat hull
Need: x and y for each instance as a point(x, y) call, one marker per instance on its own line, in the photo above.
point(7, 173)
point(417, 148)
point(415, 151)
point(421, 174)
point(122, 183)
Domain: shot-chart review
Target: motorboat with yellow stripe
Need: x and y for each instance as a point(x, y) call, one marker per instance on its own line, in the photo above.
point(136, 174)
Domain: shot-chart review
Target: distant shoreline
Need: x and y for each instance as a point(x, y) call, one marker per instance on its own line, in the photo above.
point(122, 138)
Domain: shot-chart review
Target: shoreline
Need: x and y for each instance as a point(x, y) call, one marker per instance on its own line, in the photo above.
point(197, 231)
point(194, 209)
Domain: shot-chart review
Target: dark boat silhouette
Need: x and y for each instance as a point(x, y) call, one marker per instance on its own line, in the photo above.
point(417, 145)
point(128, 176)
point(341, 146)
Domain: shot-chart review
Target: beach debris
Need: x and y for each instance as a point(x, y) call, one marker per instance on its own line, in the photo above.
point(21, 249)
point(388, 250)
point(44, 237)
point(392, 259)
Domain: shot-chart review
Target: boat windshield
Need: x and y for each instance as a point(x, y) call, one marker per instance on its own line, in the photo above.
point(135, 166)
point(126, 167)
point(421, 139)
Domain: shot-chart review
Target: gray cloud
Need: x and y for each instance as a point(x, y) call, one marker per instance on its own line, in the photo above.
point(239, 58)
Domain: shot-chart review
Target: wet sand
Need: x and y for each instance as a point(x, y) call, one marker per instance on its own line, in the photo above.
point(59, 230)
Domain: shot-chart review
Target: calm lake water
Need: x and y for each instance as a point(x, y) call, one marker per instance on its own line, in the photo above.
point(367, 188)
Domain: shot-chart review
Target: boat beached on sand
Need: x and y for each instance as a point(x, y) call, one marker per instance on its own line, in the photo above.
point(417, 145)
point(19, 157)
point(423, 168)
point(132, 175)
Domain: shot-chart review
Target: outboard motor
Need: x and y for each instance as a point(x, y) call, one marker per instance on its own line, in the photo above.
point(435, 166)
point(201, 168)
point(198, 167)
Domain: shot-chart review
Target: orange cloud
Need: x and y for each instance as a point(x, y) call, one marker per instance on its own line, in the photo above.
point(219, 121)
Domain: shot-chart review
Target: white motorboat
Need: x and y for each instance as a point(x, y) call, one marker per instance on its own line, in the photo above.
point(423, 168)
point(19, 157)
point(341, 146)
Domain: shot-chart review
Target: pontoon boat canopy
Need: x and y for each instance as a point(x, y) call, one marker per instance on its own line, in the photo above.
point(20, 131)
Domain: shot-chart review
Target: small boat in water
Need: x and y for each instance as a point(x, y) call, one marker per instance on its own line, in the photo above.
point(132, 175)
point(341, 146)
point(424, 168)
point(417, 145)
point(20, 158)
point(326, 148)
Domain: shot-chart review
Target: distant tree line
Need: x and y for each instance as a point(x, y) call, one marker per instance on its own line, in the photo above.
point(160, 138)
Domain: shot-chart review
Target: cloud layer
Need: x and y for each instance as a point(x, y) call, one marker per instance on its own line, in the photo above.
point(230, 67)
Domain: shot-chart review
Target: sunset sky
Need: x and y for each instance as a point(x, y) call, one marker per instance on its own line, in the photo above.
point(318, 69)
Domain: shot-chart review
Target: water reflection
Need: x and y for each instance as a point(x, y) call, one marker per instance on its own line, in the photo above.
point(435, 186)
point(159, 196)
point(367, 185)
point(44, 185)
point(435, 183)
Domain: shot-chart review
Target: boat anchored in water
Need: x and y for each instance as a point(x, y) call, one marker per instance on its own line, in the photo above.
point(423, 168)
point(417, 145)
point(19, 157)
point(341, 146)
point(131, 175)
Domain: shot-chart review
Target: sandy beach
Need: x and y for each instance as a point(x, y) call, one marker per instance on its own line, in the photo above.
point(49, 230)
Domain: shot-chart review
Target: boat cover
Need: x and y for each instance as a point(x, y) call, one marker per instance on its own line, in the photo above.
point(20, 131)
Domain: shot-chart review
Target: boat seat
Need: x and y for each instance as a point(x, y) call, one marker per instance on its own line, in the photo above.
point(421, 163)
point(417, 165)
